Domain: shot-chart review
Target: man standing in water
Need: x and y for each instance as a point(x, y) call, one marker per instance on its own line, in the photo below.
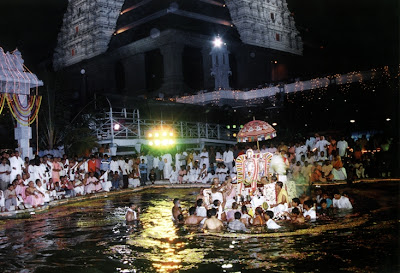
point(213, 223)
point(176, 209)
point(132, 215)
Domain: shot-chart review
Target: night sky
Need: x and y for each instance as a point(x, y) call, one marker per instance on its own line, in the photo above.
point(338, 36)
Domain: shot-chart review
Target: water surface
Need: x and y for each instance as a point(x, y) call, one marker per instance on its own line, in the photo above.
point(92, 237)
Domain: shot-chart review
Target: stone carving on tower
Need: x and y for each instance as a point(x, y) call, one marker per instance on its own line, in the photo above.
point(266, 23)
point(86, 30)
point(220, 65)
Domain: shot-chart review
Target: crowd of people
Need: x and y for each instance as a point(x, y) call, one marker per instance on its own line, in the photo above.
point(53, 175)
point(221, 207)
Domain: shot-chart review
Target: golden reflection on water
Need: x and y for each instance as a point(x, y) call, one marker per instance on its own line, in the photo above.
point(163, 247)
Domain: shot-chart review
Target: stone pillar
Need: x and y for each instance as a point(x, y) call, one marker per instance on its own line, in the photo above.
point(135, 73)
point(173, 76)
point(23, 134)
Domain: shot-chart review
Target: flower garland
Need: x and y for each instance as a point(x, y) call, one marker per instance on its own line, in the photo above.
point(2, 100)
point(21, 108)
point(24, 118)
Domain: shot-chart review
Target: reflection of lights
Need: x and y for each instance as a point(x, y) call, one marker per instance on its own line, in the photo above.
point(274, 124)
point(352, 121)
point(117, 126)
point(227, 266)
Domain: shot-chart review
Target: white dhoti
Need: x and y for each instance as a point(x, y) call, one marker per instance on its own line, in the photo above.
point(106, 185)
point(340, 174)
point(133, 183)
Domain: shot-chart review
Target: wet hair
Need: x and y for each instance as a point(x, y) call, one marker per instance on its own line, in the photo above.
point(211, 212)
point(238, 215)
point(244, 209)
point(296, 200)
point(309, 203)
point(199, 202)
point(176, 200)
point(259, 210)
point(296, 211)
point(192, 210)
point(216, 202)
point(270, 214)
point(280, 184)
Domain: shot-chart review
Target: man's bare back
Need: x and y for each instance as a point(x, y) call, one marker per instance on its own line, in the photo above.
point(213, 224)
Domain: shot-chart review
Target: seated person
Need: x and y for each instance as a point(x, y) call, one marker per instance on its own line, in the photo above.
point(212, 223)
point(236, 224)
point(282, 200)
point(309, 212)
point(327, 170)
point(193, 219)
point(269, 215)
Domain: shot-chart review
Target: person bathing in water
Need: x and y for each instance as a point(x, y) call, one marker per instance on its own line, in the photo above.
point(132, 213)
point(176, 209)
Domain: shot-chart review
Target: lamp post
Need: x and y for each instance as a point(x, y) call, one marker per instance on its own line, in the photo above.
point(113, 149)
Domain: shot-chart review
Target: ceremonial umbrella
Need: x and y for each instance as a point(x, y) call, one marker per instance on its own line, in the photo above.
point(256, 130)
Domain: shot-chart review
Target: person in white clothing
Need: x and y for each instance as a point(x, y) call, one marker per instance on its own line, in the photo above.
point(173, 177)
point(16, 164)
point(269, 216)
point(5, 171)
point(105, 183)
point(309, 212)
point(342, 146)
point(341, 202)
point(228, 159)
point(204, 158)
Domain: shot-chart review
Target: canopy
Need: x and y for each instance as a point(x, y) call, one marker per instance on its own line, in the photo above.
point(256, 130)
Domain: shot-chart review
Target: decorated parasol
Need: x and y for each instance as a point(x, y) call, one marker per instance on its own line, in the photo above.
point(256, 130)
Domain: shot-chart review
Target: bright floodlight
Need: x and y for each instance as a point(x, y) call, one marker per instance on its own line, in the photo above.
point(274, 124)
point(217, 42)
point(117, 126)
point(352, 121)
point(388, 119)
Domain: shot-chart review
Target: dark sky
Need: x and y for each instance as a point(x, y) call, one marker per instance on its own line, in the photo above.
point(353, 33)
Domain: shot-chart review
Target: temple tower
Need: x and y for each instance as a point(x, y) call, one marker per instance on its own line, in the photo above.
point(86, 30)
